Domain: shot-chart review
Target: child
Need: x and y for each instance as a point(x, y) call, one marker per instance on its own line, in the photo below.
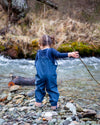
point(46, 77)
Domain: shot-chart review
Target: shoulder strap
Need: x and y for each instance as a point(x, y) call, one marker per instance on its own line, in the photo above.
point(47, 52)
point(38, 54)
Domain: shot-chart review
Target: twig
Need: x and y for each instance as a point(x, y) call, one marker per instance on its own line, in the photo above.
point(81, 61)
point(88, 70)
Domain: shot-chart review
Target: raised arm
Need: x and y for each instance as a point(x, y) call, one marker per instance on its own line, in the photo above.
point(57, 54)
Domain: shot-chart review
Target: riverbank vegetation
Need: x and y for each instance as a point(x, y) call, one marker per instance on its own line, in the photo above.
point(75, 24)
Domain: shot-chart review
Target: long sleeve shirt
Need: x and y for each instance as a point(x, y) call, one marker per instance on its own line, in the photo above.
point(53, 54)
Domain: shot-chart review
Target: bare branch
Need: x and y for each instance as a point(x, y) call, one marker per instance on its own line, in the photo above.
point(50, 3)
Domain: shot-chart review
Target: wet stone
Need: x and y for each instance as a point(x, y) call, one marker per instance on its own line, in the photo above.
point(11, 109)
point(79, 108)
point(54, 120)
point(15, 124)
point(91, 123)
point(89, 113)
point(9, 97)
point(98, 115)
point(1, 104)
point(71, 107)
point(86, 119)
point(14, 88)
point(1, 121)
point(31, 104)
point(30, 93)
point(3, 95)
point(5, 109)
point(74, 123)
point(67, 122)
point(82, 123)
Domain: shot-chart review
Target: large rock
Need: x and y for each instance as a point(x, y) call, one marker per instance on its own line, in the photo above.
point(71, 107)
point(18, 8)
point(89, 113)
point(98, 115)
point(48, 115)
point(4, 4)
point(2, 121)
point(19, 5)
point(12, 53)
point(14, 88)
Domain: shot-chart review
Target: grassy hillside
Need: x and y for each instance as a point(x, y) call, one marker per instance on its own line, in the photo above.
point(74, 22)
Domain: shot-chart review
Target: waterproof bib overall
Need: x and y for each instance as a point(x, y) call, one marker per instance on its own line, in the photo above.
point(46, 79)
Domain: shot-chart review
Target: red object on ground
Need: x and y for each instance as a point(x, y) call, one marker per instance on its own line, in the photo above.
point(11, 84)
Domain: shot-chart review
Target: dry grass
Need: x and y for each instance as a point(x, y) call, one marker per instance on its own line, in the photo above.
point(50, 22)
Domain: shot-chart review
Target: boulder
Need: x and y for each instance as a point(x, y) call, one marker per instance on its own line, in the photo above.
point(71, 107)
point(18, 8)
point(88, 113)
point(12, 53)
point(14, 88)
point(98, 115)
point(2, 121)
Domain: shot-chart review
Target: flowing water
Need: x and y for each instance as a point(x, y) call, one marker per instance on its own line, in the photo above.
point(74, 81)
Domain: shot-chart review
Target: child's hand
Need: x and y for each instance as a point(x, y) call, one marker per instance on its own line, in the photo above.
point(73, 54)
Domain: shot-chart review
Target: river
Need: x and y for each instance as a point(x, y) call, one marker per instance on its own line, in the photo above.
point(74, 81)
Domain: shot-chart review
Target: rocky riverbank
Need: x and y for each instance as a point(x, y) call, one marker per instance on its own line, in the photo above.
point(17, 107)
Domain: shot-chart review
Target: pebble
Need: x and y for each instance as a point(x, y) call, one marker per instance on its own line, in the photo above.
point(89, 113)
point(11, 109)
point(71, 107)
point(86, 119)
point(30, 93)
point(67, 122)
point(2, 121)
point(52, 122)
point(79, 108)
point(15, 124)
point(74, 123)
point(31, 104)
point(9, 98)
point(98, 115)
point(47, 115)
point(3, 95)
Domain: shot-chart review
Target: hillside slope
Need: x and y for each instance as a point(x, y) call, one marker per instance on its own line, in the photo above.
point(74, 21)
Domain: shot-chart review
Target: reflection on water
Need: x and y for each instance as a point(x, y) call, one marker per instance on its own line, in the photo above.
point(73, 79)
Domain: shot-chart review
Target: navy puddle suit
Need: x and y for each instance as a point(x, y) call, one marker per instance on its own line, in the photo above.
point(46, 78)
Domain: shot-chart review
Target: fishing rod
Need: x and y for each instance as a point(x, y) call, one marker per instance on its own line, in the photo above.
point(81, 62)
